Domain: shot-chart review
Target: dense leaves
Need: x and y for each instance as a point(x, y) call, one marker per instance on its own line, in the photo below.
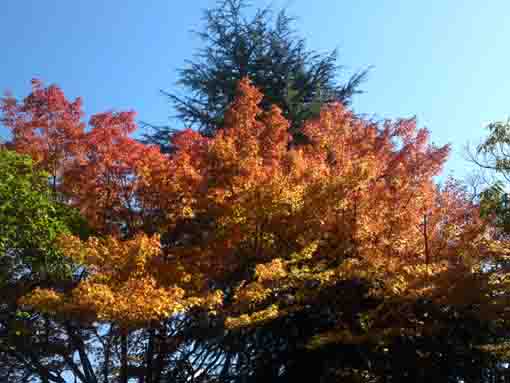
point(30, 218)
point(30, 221)
point(45, 126)
point(243, 257)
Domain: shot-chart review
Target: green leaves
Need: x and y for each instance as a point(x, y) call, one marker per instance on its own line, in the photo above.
point(493, 152)
point(266, 48)
point(494, 203)
point(30, 219)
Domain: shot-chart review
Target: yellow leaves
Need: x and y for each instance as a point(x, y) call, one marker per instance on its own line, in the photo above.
point(112, 257)
point(292, 195)
point(211, 301)
point(137, 301)
point(124, 283)
point(238, 215)
point(271, 271)
point(72, 248)
point(187, 212)
point(501, 350)
point(46, 299)
point(214, 299)
point(257, 318)
point(280, 225)
point(252, 293)
point(499, 248)
point(307, 252)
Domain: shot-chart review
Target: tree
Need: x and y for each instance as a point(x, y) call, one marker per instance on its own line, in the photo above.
point(98, 172)
point(30, 221)
point(348, 237)
point(491, 155)
point(268, 51)
point(46, 126)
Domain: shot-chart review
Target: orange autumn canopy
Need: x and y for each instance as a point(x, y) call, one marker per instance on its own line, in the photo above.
point(270, 226)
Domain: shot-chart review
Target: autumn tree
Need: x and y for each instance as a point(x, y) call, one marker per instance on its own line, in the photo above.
point(92, 169)
point(266, 48)
point(347, 241)
point(46, 126)
point(99, 173)
point(349, 157)
point(491, 159)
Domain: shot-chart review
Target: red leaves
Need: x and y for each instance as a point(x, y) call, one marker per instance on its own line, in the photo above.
point(248, 210)
point(118, 125)
point(45, 125)
point(101, 182)
point(97, 170)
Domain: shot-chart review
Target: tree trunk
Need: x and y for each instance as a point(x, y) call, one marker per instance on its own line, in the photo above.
point(124, 357)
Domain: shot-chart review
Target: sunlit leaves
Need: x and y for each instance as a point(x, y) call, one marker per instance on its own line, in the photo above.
point(124, 283)
point(46, 126)
point(257, 228)
point(30, 219)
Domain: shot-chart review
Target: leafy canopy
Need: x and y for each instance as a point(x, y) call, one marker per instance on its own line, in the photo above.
point(244, 229)
point(30, 218)
point(278, 228)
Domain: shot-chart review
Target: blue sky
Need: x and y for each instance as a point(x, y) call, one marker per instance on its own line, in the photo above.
point(444, 61)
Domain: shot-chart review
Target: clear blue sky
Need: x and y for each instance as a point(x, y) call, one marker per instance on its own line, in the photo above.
point(444, 61)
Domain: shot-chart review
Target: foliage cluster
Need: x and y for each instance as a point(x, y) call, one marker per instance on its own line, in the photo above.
point(280, 237)
point(346, 241)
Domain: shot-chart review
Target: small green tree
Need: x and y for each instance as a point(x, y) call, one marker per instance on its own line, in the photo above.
point(29, 217)
point(493, 155)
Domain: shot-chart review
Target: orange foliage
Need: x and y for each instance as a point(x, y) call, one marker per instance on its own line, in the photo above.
point(272, 224)
point(103, 182)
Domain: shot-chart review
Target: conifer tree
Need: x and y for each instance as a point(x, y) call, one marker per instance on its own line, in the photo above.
point(266, 48)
